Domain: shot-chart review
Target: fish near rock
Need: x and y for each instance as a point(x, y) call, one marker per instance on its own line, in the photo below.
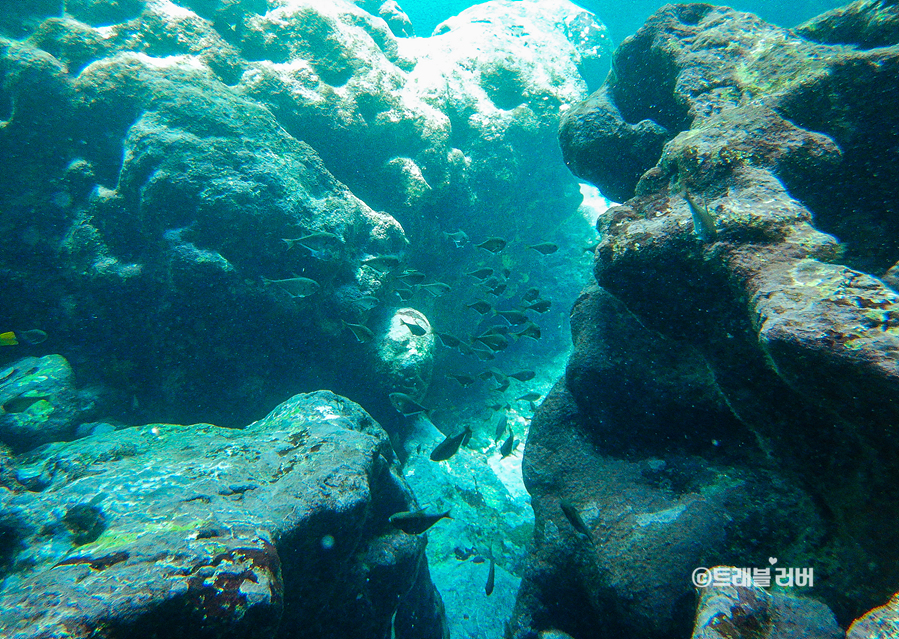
point(415, 523)
point(491, 578)
point(415, 328)
point(574, 518)
point(508, 445)
point(703, 222)
point(405, 404)
point(493, 245)
point(450, 446)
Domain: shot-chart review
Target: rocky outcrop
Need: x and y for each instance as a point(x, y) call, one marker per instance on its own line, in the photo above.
point(39, 403)
point(729, 395)
point(149, 238)
point(746, 611)
point(276, 530)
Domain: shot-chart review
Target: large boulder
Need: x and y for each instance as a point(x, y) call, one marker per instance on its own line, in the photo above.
point(730, 395)
point(40, 403)
point(276, 530)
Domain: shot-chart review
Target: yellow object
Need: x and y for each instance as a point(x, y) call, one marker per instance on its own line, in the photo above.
point(8, 339)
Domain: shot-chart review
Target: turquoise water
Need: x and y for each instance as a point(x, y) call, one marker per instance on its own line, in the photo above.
point(624, 17)
point(261, 261)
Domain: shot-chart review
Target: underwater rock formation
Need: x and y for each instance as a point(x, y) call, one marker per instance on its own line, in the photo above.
point(276, 530)
point(732, 393)
point(184, 169)
point(728, 612)
point(39, 402)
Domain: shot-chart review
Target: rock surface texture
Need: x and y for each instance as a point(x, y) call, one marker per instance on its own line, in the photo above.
point(276, 530)
point(732, 395)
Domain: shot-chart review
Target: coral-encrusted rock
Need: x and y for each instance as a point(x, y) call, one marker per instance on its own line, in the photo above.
point(39, 402)
point(205, 531)
point(750, 342)
point(746, 612)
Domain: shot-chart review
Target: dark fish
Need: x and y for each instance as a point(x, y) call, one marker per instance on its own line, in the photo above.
point(493, 245)
point(411, 277)
point(459, 237)
point(530, 397)
point(480, 306)
point(493, 341)
point(491, 576)
point(436, 288)
point(531, 330)
point(415, 328)
point(508, 445)
point(481, 352)
point(465, 380)
point(449, 446)
point(546, 248)
point(524, 376)
point(481, 274)
point(498, 407)
point(362, 333)
point(531, 295)
point(498, 290)
point(403, 293)
point(514, 318)
point(382, 263)
point(365, 302)
point(574, 518)
point(703, 223)
point(499, 329)
point(406, 404)
point(503, 386)
point(592, 248)
point(297, 287)
point(450, 341)
point(493, 372)
point(540, 306)
point(501, 426)
point(415, 523)
point(22, 403)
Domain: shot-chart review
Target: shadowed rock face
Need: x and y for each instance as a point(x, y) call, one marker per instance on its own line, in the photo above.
point(732, 392)
point(276, 530)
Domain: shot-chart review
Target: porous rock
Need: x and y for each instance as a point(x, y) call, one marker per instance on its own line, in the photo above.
point(741, 271)
point(276, 530)
point(39, 402)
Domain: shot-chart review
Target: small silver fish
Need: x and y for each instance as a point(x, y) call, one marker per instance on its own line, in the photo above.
point(703, 223)
point(297, 287)
point(436, 288)
point(362, 333)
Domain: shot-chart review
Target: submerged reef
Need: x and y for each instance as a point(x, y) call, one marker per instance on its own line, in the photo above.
point(275, 530)
point(206, 194)
point(732, 397)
